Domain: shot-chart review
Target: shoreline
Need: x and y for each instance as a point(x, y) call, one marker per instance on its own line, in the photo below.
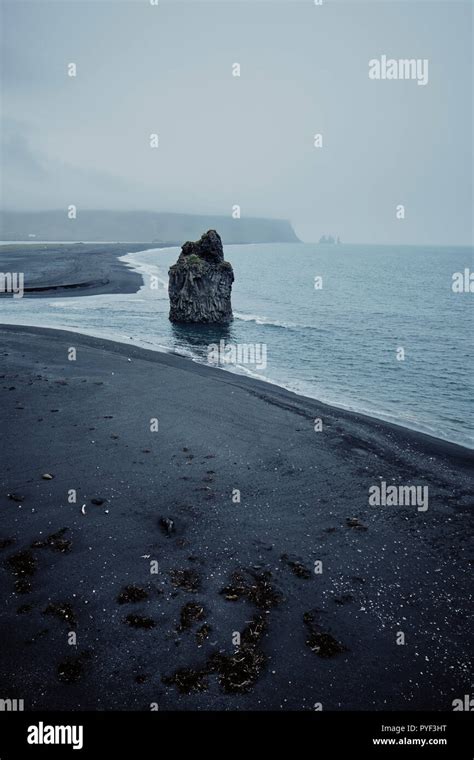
point(105, 272)
point(451, 446)
point(75, 269)
point(167, 496)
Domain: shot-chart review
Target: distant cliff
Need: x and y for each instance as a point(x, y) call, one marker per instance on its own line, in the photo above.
point(137, 226)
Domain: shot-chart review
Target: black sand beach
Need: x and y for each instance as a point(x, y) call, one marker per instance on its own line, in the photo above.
point(73, 269)
point(223, 567)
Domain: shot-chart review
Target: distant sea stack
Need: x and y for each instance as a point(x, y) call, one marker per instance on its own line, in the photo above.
point(200, 283)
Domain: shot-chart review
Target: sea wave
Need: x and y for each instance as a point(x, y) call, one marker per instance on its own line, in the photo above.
point(267, 322)
point(261, 320)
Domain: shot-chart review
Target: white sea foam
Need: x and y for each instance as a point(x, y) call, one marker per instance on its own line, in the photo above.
point(149, 270)
point(268, 322)
point(263, 320)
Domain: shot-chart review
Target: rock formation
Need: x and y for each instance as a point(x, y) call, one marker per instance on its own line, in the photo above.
point(200, 283)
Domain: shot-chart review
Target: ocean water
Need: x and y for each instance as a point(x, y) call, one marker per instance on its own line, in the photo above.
point(338, 343)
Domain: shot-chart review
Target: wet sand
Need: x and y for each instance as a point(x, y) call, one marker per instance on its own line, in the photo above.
point(224, 567)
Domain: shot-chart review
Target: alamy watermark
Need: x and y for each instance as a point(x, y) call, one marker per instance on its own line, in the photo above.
point(12, 705)
point(401, 68)
point(465, 704)
point(463, 282)
point(49, 734)
point(12, 282)
point(399, 496)
point(238, 353)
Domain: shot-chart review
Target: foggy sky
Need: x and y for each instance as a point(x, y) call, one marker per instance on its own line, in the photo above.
point(249, 141)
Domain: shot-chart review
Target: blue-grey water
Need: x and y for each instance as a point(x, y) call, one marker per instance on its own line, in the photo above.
point(338, 343)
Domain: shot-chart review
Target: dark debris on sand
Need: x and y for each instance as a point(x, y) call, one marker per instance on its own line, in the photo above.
point(188, 680)
point(321, 642)
point(296, 567)
point(131, 594)
point(23, 566)
point(16, 497)
point(24, 609)
point(138, 621)
point(237, 673)
point(203, 633)
point(256, 587)
point(354, 522)
point(191, 612)
point(6, 542)
point(56, 542)
point(343, 599)
point(72, 669)
point(63, 611)
point(188, 579)
point(167, 525)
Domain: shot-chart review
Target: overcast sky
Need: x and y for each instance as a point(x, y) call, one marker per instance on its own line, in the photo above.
point(245, 140)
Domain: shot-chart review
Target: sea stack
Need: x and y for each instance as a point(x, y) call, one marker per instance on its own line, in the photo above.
point(200, 283)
